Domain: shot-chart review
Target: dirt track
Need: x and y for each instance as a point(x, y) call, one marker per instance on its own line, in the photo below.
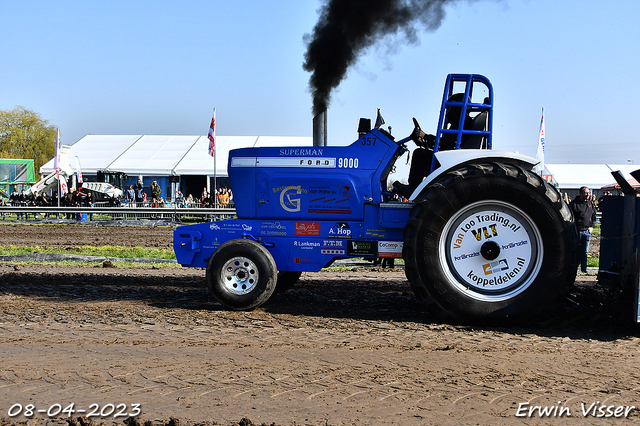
point(342, 347)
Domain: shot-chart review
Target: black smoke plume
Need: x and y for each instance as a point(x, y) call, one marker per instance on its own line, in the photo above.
point(347, 27)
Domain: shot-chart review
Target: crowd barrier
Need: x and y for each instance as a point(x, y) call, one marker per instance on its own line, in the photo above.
point(176, 214)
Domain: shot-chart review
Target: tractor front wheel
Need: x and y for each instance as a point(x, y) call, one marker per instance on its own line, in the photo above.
point(241, 274)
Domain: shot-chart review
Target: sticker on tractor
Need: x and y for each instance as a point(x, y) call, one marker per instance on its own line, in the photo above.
point(391, 249)
point(377, 233)
point(369, 140)
point(289, 197)
point(348, 163)
point(333, 247)
point(275, 229)
point(495, 267)
point(305, 245)
point(300, 151)
point(340, 230)
point(231, 228)
point(332, 251)
point(503, 280)
point(514, 245)
point(308, 229)
point(297, 162)
point(362, 248)
point(333, 202)
point(491, 250)
point(214, 245)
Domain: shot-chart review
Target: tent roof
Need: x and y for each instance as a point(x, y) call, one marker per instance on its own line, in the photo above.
point(155, 155)
point(95, 152)
point(163, 154)
point(187, 155)
point(595, 176)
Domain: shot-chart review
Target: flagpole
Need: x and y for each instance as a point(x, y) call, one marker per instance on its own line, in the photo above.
point(541, 146)
point(57, 163)
point(215, 176)
point(212, 149)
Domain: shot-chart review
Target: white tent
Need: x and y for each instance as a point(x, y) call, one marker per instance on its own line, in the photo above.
point(595, 176)
point(95, 152)
point(155, 155)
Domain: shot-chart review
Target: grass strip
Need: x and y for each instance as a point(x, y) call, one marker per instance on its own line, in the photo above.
point(105, 251)
point(117, 264)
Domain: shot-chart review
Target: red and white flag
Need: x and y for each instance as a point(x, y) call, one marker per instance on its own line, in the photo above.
point(212, 135)
point(78, 170)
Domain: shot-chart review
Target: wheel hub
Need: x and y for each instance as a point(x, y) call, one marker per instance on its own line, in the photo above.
point(490, 250)
point(239, 275)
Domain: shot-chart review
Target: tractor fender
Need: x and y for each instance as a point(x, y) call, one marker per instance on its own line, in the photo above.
point(450, 160)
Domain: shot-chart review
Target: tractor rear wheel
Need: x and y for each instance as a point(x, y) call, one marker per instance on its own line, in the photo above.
point(241, 274)
point(490, 241)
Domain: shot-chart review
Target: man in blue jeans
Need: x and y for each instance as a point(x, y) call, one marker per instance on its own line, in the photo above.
point(584, 214)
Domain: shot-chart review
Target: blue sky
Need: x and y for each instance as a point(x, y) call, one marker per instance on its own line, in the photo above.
point(160, 67)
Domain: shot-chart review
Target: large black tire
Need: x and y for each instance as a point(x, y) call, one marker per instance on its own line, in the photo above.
point(490, 241)
point(241, 274)
point(286, 280)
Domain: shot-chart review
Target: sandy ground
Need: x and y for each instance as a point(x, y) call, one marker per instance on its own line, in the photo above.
point(347, 347)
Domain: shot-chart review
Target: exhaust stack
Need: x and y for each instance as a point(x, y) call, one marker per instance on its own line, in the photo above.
point(320, 129)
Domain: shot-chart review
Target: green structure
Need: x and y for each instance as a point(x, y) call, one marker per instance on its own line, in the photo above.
point(16, 174)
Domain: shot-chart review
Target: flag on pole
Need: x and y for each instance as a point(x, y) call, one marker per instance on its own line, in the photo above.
point(56, 165)
point(212, 134)
point(540, 153)
point(78, 170)
point(56, 161)
point(379, 120)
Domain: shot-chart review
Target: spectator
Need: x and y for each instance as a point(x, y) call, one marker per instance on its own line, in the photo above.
point(14, 199)
point(23, 200)
point(224, 197)
point(130, 196)
point(584, 213)
point(189, 201)
point(205, 199)
point(91, 202)
point(68, 201)
point(156, 191)
point(139, 188)
point(114, 201)
point(179, 198)
point(41, 200)
point(219, 195)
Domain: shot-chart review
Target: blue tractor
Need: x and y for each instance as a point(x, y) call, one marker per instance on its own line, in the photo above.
point(482, 236)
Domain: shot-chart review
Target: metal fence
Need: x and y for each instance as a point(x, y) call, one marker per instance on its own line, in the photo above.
point(175, 214)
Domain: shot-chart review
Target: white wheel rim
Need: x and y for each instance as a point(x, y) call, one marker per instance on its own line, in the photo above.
point(491, 250)
point(239, 275)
